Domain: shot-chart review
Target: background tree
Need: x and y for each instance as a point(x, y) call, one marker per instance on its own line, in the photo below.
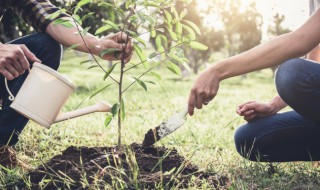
point(277, 29)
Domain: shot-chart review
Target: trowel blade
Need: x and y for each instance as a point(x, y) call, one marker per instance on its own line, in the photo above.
point(165, 128)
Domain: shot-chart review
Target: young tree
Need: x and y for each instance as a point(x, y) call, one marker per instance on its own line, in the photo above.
point(137, 18)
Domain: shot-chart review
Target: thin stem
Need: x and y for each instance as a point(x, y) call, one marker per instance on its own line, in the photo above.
point(85, 43)
point(121, 78)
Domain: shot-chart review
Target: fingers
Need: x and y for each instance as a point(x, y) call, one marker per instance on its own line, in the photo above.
point(251, 117)
point(191, 102)
point(6, 74)
point(27, 55)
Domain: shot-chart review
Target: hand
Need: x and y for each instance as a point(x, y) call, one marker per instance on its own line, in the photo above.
point(14, 60)
point(254, 109)
point(118, 41)
point(204, 90)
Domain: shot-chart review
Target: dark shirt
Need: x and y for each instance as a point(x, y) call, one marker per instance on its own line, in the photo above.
point(34, 12)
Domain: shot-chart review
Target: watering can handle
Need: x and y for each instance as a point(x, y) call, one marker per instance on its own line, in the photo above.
point(11, 96)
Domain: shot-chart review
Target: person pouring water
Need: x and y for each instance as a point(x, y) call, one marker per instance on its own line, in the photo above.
point(270, 136)
point(17, 56)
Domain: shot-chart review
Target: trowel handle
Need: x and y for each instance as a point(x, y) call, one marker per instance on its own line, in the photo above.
point(11, 96)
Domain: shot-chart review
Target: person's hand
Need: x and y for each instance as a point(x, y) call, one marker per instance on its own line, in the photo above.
point(254, 109)
point(118, 41)
point(204, 90)
point(14, 60)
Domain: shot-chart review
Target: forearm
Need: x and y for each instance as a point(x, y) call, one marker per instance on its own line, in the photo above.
point(263, 56)
point(314, 54)
point(70, 36)
point(274, 52)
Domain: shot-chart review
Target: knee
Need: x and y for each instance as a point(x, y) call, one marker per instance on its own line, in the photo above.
point(245, 142)
point(52, 50)
point(289, 77)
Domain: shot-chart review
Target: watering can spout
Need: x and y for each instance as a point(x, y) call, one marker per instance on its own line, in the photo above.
point(100, 106)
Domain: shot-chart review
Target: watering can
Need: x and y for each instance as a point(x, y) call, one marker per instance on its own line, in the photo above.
point(43, 95)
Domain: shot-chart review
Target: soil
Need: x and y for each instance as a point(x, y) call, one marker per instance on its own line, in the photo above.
point(131, 167)
point(151, 137)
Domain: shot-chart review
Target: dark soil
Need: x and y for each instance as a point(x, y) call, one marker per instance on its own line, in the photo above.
point(132, 167)
point(151, 137)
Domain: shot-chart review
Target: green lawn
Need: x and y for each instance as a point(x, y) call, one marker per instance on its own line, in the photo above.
point(206, 138)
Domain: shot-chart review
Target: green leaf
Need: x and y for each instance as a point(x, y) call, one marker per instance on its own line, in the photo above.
point(173, 35)
point(153, 33)
point(109, 71)
point(123, 111)
point(85, 30)
point(183, 13)
point(73, 46)
point(83, 2)
point(105, 4)
point(142, 56)
point(100, 90)
point(140, 40)
point(112, 24)
point(193, 26)
point(128, 3)
point(156, 75)
point(186, 66)
point(107, 120)
point(198, 46)
point(108, 51)
point(86, 61)
point(92, 66)
point(87, 16)
point(176, 15)
point(150, 19)
point(65, 23)
point(103, 29)
point(159, 46)
point(164, 41)
point(174, 68)
point(151, 4)
point(191, 32)
point(144, 86)
point(168, 16)
point(179, 28)
point(80, 4)
point(115, 109)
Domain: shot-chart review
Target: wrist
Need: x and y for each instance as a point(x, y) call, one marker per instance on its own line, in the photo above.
point(93, 43)
point(218, 71)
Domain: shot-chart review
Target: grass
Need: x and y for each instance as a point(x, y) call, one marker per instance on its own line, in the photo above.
point(206, 138)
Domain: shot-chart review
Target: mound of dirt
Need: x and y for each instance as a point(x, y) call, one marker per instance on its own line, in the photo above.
point(131, 167)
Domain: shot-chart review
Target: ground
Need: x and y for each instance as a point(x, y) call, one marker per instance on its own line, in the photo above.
point(206, 139)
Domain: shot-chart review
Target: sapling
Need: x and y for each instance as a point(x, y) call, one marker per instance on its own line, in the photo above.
point(141, 20)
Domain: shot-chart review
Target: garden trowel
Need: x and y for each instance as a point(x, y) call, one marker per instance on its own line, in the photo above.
point(165, 128)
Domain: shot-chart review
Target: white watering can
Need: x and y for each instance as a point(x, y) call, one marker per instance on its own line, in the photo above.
point(44, 93)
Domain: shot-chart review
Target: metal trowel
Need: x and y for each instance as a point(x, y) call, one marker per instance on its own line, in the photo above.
point(165, 128)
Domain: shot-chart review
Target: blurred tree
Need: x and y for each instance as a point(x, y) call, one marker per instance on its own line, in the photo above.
point(277, 29)
point(242, 25)
point(210, 36)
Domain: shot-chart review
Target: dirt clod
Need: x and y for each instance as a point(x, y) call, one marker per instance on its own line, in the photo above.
point(131, 167)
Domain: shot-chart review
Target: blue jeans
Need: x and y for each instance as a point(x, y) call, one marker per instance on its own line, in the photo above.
point(293, 135)
point(49, 52)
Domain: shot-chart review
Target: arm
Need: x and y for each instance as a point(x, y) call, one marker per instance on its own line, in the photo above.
point(274, 52)
point(314, 54)
point(254, 109)
point(69, 36)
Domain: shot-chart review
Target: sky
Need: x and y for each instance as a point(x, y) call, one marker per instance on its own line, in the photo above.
point(295, 11)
